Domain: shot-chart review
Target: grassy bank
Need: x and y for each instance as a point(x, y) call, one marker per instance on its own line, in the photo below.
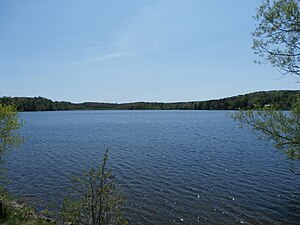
point(14, 212)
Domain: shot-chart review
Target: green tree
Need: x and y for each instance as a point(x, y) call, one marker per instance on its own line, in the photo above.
point(95, 198)
point(276, 38)
point(282, 127)
point(9, 124)
point(9, 138)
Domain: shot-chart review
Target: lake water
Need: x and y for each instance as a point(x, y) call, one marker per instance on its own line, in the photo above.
point(175, 167)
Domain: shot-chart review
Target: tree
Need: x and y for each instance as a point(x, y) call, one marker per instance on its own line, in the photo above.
point(276, 39)
point(281, 127)
point(95, 198)
point(9, 124)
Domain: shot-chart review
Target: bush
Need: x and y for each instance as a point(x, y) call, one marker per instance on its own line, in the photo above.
point(95, 199)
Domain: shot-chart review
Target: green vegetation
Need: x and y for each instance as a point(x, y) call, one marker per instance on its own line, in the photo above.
point(15, 212)
point(277, 40)
point(280, 99)
point(12, 212)
point(9, 138)
point(282, 127)
point(95, 198)
point(9, 124)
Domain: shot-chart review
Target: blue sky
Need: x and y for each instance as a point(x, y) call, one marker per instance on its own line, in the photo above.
point(131, 50)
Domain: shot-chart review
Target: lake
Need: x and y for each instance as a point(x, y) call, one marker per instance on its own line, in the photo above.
point(175, 167)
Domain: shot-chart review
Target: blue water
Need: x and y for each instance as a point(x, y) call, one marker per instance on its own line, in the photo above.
point(175, 167)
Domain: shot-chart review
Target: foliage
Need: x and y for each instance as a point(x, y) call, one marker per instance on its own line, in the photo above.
point(9, 138)
point(281, 99)
point(277, 40)
point(95, 198)
point(277, 36)
point(282, 127)
point(16, 212)
point(9, 123)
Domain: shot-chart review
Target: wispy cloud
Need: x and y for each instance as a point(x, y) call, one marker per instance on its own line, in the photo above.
point(147, 30)
point(105, 57)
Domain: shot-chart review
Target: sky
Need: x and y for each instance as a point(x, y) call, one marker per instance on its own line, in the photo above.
point(131, 50)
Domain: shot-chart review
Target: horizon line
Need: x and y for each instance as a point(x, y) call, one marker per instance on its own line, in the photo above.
point(142, 101)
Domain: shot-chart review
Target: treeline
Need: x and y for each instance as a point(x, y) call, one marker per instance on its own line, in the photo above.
point(280, 99)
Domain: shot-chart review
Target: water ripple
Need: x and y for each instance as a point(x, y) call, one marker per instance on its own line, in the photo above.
point(176, 167)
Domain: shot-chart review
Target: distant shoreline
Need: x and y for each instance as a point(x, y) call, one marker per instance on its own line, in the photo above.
point(281, 99)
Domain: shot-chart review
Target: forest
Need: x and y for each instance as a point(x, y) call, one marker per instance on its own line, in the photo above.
point(282, 99)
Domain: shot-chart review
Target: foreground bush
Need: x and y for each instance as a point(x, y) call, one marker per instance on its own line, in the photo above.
point(95, 199)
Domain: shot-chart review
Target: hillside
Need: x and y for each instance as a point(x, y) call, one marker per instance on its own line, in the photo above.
point(282, 99)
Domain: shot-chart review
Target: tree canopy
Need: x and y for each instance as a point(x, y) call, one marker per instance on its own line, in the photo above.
point(277, 41)
point(281, 127)
point(9, 124)
point(280, 99)
point(276, 38)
